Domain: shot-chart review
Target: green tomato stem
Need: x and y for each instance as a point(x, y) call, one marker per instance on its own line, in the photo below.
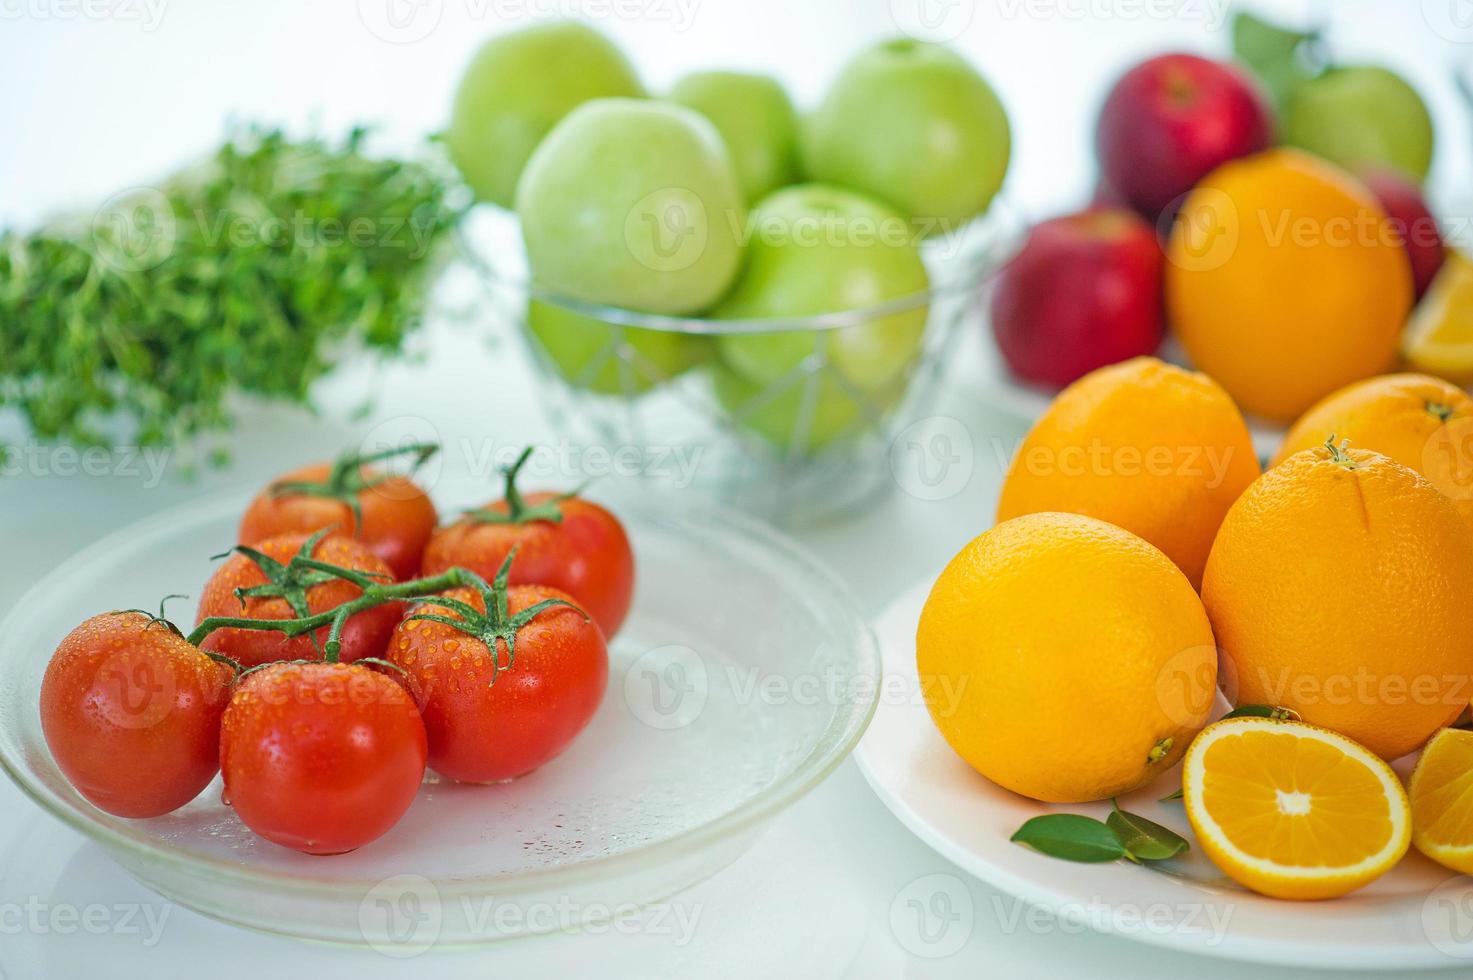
point(518, 511)
point(373, 595)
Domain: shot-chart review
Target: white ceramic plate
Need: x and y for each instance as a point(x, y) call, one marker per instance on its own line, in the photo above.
point(1418, 916)
point(708, 729)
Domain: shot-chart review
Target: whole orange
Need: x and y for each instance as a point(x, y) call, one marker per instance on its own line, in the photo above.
point(1339, 587)
point(1421, 422)
point(1065, 658)
point(1160, 451)
point(1285, 280)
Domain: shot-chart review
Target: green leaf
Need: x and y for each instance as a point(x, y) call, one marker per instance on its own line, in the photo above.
point(1262, 711)
point(1282, 58)
point(1145, 839)
point(1071, 837)
point(1171, 797)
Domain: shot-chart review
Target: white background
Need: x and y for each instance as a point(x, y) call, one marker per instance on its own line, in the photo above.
point(102, 94)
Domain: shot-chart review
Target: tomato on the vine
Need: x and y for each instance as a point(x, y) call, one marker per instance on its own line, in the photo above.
point(392, 515)
point(290, 577)
point(505, 677)
point(561, 540)
point(131, 713)
point(322, 757)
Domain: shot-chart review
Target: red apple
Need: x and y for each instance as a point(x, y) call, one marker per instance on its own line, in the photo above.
point(1170, 120)
point(1403, 203)
point(1084, 291)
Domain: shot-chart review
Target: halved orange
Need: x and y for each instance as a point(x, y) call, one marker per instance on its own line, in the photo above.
point(1439, 336)
point(1292, 810)
point(1442, 800)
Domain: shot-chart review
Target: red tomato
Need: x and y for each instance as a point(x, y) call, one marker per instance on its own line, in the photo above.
point(562, 541)
point(365, 635)
point(322, 758)
point(131, 713)
point(488, 723)
point(397, 517)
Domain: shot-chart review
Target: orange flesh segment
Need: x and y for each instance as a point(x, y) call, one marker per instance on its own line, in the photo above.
point(1445, 784)
point(1295, 801)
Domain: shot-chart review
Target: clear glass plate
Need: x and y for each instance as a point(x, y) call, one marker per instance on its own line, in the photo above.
point(743, 676)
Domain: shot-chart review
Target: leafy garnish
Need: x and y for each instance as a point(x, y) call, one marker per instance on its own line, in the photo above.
point(1075, 837)
point(246, 273)
point(1262, 711)
point(1145, 840)
point(1071, 837)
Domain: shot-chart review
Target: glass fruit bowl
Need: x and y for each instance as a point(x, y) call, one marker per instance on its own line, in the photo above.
point(709, 728)
point(794, 444)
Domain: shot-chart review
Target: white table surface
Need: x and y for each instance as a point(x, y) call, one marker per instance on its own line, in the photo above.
point(105, 93)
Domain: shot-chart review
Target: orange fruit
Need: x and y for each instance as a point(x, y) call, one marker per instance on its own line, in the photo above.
point(1065, 658)
point(1160, 451)
point(1285, 280)
point(1421, 422)
point(1439, 338)
point(1441, 789)
point(1339, 587)
point(1291, 810)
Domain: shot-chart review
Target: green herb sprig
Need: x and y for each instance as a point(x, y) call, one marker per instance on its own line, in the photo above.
point(245, 273)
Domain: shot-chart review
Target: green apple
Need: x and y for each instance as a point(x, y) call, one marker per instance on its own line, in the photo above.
point(1361, 117)
point(635, 204)
point(804, 417)
point(914, 124)
point(756, 119)
point(608, 358)
point(516, 88)
point(812, 249)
